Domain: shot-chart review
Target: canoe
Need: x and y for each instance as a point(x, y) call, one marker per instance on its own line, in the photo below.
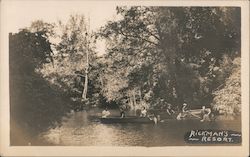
point(125, 120)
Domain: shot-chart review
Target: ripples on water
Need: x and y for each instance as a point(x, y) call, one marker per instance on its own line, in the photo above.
point(77, 130)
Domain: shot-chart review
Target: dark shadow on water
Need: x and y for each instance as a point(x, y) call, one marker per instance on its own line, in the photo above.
point(34, 110)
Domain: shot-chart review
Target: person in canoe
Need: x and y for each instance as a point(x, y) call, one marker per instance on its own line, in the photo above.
point(170, 111)
point(105, 113)
point(205, 114)
point(143, 112)
point(184, 112)
point(184, 107)
point(122, 111)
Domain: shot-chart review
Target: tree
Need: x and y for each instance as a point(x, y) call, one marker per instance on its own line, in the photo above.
point(170, 52)
point(33, 49)
point(39, 26)
point(75, 59)
point(34, 105)
point(124, 53)
point(47, 31)
point(227, 99)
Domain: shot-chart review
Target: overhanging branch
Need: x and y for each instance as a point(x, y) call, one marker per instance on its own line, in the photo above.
point(134, 36)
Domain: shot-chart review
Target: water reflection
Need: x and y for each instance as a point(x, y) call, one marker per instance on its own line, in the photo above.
point(78, 130)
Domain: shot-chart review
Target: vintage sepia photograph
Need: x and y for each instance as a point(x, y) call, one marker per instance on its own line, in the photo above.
point(117, 75)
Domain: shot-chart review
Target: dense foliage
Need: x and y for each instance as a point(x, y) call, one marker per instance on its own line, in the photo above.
point(227, 100)
point(34, 104)
point(67, 73)
point(174, 54)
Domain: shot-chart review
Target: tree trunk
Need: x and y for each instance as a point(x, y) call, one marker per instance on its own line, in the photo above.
point(131, 102)
point(85, 89)
point(101, 80)
point(140, 96)
point(134, 98)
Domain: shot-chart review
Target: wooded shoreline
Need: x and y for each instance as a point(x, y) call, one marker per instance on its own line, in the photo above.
point(154, 56)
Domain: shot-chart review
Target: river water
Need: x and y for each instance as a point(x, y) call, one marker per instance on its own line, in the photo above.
point(78, 130)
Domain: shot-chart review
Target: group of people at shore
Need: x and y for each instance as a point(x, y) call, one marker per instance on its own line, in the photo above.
point(204, 113)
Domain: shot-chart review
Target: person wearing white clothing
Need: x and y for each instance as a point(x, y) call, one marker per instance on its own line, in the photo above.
point(105, 113)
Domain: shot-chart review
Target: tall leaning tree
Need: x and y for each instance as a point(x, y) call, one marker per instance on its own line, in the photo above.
point(74, 54)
